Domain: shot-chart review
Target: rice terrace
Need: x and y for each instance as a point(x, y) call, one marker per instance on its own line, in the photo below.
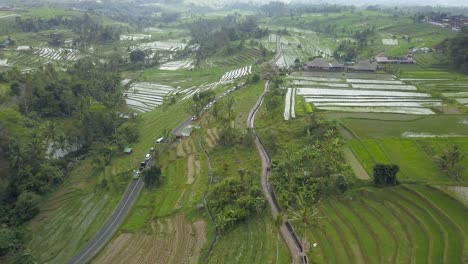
point(196, 131)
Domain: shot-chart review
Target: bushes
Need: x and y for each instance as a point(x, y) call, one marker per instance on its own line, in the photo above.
point(27, 206)
point(233, 200)
point(385, 174)
point(152, 176)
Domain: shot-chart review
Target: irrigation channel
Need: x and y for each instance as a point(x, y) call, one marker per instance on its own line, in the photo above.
point(287, 231)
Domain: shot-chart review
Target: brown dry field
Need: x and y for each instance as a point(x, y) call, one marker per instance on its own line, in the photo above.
point(212, 137)
point(171, 240)
point(356, 166)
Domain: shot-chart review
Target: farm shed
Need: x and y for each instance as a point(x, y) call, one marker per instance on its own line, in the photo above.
point(336, 65)
point(318, 64)
point(185, 132)
point(364, 66)
point(128, 150)
point(394, 60)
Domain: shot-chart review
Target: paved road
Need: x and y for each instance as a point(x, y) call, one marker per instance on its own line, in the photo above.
point(116, 219)
point(111, 225)
point(287, 232)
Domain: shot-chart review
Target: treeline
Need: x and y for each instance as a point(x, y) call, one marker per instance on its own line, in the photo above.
point(277, 8)
point(49, 110)
point(315, 170)
point(140, 14)
point(87, 28)
point(213, 35)
point(349, 50)
point(312, 171)
point(457, 50)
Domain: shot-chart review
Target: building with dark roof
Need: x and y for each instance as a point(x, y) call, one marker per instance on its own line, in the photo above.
point(364, 66)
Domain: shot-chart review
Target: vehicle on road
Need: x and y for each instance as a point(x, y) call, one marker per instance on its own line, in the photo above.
point(142, 165)
point(160, 140)
point(136, 174)
point(147, 157)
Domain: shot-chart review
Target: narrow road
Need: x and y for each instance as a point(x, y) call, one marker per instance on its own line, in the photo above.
point(287, 232)
point(112, 224)
point(116, 219)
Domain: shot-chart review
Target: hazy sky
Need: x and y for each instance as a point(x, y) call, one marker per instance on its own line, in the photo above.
point(384, 2)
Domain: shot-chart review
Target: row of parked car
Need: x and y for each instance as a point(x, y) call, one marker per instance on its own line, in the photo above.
point(210, 104)
point(144, 163)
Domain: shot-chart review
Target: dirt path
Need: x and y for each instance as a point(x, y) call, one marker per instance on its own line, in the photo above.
point(356, 166)
point(286, 229)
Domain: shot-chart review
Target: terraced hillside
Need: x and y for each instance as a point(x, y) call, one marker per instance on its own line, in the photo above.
point(404, 224)
point(247, 55)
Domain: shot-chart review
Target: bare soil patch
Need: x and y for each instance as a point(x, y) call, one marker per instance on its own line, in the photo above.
point(172, 240)
point(190, 169)
point(356, 166)
point(459, 192)
point(180, 149)
point(212, 137)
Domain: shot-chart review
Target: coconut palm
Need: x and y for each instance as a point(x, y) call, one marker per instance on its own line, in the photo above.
point(306, 215)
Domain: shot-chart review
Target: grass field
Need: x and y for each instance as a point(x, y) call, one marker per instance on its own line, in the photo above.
point(255, 241)
point(382, 125)
point(405, 224)
point(414, 156)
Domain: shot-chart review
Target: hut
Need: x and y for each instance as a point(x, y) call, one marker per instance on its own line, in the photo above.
point(364, 66)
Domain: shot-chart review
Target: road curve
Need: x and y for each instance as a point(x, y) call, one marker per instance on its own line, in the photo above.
point(112, 224)
point(287, 232)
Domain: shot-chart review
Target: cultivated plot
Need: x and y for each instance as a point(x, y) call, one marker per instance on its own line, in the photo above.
point(144, 96)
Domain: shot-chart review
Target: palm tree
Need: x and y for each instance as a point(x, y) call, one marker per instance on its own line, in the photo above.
point(15, 155)
point(305, 215)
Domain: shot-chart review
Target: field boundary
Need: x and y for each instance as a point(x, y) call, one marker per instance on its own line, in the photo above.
point(210, 174)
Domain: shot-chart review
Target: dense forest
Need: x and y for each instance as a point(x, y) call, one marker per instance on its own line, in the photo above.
point(51, 110)
point(457, 50)
point(214, 35)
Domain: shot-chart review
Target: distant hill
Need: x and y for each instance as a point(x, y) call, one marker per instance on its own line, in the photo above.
point(346, 2)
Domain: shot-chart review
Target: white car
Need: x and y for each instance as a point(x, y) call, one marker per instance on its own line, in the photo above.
point(147, 157)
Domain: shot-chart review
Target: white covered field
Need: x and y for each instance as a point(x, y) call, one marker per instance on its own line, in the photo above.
point(176, 65)
point(237, 73)
point(390, 42)
point(361, 95)
point(144, 96)
point(461, 97)
point(134, 37)
point(53, 54)
point(168, 45)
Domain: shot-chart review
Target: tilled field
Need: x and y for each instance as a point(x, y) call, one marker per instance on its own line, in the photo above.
point(171, 240)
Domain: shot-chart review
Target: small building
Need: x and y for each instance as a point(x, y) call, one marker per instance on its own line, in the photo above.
point(321, 64)
point(364, 66)
point(395, 60)
point(317, 64)
point(128, 150)
point(185, 132)
point(337, 66)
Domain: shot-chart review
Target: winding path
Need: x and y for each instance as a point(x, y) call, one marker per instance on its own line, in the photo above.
point(287, 232)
